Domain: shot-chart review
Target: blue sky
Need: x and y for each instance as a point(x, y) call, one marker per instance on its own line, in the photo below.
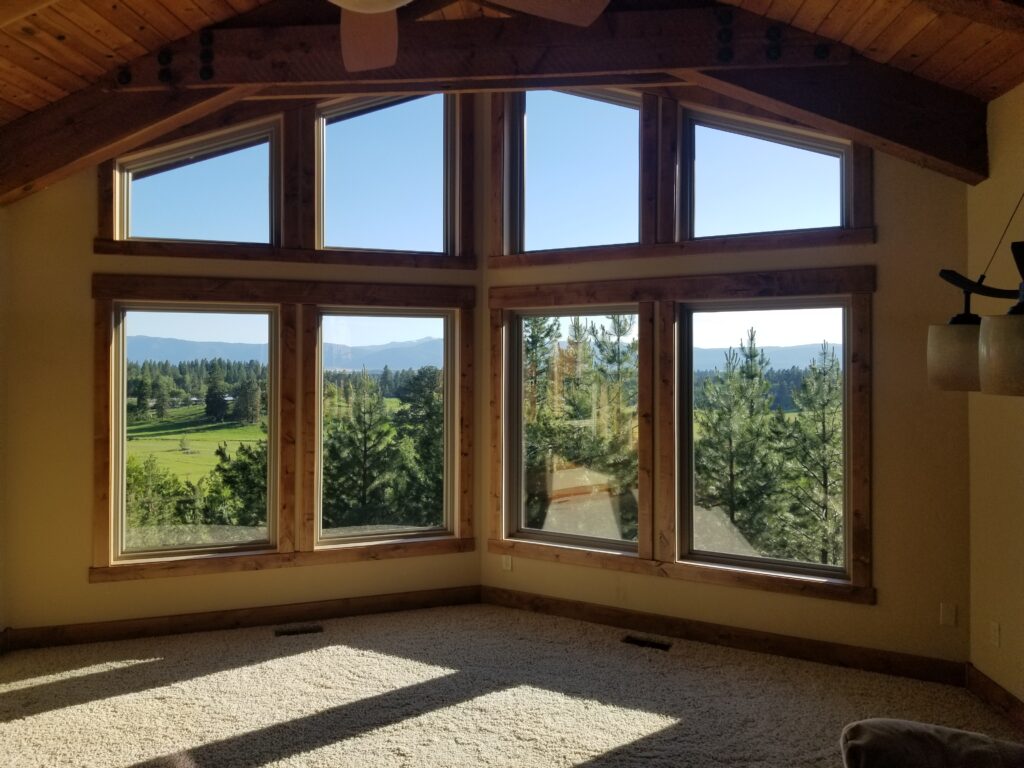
point(384, 188)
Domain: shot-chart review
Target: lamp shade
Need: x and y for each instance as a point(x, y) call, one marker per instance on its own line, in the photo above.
point(953, 357)
point(371, 6)
point(1001, 355)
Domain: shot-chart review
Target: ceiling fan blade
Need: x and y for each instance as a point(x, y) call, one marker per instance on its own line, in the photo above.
point(368, 40)
point(582, 13)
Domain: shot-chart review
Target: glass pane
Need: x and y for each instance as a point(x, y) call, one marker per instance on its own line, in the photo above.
point(768, 449)
point(744, 184)
point(196, 424)
point(224, 197)
point(384, 178)
point(579, 425)
point(582, 172)
point(383, 424)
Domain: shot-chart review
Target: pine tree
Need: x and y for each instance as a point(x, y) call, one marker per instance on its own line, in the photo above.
point(420, 425)
point(736, 462)
point(216, 398)
point(577, 371)
point(144, 388)
point(815, 469)
point(247, 402)
point(160, 397)
point(359, 458)
point(540, 335)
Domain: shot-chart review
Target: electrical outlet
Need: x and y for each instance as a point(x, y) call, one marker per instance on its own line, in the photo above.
point(506, 562)
point(947, 614)
point(994, 633)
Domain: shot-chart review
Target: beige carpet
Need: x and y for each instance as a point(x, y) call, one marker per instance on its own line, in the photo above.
point(467, 686)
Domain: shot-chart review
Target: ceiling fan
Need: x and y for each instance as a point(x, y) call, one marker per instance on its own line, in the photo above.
point(369, 28)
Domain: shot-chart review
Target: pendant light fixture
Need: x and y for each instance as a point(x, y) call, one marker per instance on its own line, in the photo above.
point(974, 353)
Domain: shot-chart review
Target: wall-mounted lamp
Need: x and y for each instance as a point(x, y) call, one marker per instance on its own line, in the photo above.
point(985, 353)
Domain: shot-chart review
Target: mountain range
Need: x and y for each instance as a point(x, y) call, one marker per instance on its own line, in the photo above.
point(400, 355)
point(397, 355)
point(779, 358)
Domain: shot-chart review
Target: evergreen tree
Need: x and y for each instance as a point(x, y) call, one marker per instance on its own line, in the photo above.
point(143, 389)
point(577, 371)
point(160, 396)
point(247, 402)
point(216, 398)
point(815, 470)
point(237, 494)
point(540, 339)
point(151, 493)
point(359, 457)
point(420, 425)
point(737, 466)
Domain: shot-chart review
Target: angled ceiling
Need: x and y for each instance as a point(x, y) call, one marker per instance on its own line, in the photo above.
point(84, 78)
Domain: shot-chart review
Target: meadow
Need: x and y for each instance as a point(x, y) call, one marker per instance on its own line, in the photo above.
point(185, 440)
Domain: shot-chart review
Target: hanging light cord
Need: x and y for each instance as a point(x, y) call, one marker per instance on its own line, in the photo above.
point(1001, 238)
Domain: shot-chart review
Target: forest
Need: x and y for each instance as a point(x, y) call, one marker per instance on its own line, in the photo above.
point(383, 450)
point(767, 444)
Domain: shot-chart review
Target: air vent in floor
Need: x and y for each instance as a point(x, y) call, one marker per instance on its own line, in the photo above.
point(299, 629)
point(647, 642)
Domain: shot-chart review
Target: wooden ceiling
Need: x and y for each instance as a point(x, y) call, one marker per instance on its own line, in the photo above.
point(84, 78)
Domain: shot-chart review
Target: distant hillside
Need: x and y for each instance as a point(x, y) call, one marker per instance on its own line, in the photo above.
point(397, 355)
point(779, 358)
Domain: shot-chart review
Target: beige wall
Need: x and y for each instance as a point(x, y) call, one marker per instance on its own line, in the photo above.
point(997, 423)
point(920, 489)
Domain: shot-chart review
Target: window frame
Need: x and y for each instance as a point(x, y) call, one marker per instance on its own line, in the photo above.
point(661, 517)
point(119, 443)
point(451, 443)
point(345, 109)
point(205, 147)
point(685, 446)
point(790, 137)
point(513, 429)
point(296, 303)
point(666, 159)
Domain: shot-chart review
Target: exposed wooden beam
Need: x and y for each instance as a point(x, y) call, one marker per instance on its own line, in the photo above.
point(92, 126)
point(520, 48)
point(12, 10)
point(1004, 14)
point(875, 105)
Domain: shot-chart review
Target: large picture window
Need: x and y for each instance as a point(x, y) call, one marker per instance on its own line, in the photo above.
point(575, 393)
point(765, 416)
point(196, 415)
point(385, 426)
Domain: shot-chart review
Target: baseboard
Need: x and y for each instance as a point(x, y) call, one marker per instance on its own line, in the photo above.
point(838, 654)
point(997, 697)
point(73, 634)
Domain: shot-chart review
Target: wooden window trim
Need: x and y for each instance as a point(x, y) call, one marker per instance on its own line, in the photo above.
point(666, 154)
point(462, 301)
point(296, 196)
point(662, 295)
point(293, 531)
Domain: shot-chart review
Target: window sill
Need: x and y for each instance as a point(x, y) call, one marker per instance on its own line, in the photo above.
point(233, 563)
point(764, 241)
point(724, 575)
point(188, 249)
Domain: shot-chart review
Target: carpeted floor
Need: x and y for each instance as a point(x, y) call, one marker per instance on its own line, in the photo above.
point(466, 686)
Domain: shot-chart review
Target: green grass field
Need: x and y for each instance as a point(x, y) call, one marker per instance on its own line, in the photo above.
point(162, 438)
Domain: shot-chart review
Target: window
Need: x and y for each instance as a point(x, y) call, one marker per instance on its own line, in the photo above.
point(385, 424)
point(385, 163)
point(196, 423)
point(574, 443)
point(196, 455)
point(746, 181)
point(713, 428)
point(594, 175)
point(580, 171)
point(222, 188)
point(766, 416)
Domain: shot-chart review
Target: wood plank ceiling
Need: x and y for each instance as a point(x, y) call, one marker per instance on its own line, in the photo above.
point(939, 40)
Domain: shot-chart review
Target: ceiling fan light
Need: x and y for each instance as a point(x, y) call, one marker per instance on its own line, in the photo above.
point(1001, 355)
point(953, 358)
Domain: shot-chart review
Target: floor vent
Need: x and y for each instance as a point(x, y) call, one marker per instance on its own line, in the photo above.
point(646, 642)
point(300, 629)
